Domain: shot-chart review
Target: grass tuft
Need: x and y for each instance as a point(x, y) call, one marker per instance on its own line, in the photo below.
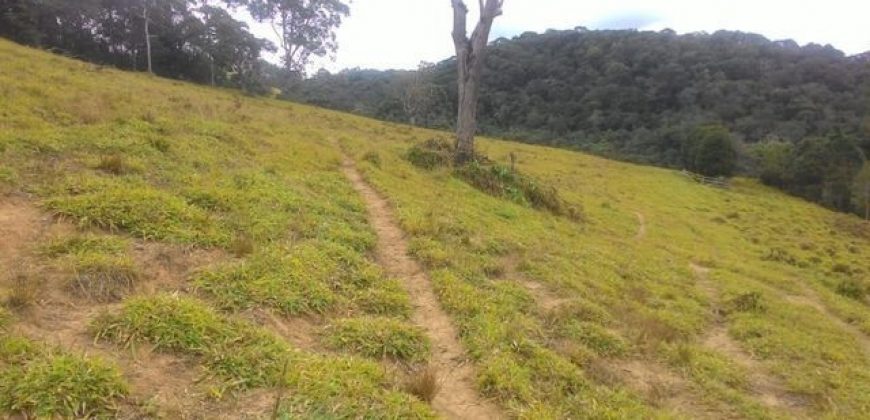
point(144, 211)
point(46, 383)
point(378, 338)
point(373, 157)
point(423, 383)
point(24, 290)
point(114, 164)
point(102, 278)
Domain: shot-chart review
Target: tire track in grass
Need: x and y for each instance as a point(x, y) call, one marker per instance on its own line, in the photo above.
point(458, 398)
point(768, 390)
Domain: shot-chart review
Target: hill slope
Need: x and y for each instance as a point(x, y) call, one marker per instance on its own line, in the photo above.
point(173, 250)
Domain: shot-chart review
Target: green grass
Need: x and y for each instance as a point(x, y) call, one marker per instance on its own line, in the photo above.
point(81, 244)
point(246, 357)
point(42, 382)
point(313, 277)
point(378, 338)
point(637, 297)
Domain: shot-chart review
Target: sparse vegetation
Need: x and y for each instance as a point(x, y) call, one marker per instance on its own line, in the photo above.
point(245, 356)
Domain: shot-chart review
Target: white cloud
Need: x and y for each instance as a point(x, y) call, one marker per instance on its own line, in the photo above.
point(401, 33)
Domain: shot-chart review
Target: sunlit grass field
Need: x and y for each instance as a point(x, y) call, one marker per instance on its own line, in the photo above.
point(663, 298)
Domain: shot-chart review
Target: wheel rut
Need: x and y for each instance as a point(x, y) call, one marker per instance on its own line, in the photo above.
point(768, 390)
point(458, 398)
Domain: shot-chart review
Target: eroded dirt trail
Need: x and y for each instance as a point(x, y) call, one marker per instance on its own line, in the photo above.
point(457, 398)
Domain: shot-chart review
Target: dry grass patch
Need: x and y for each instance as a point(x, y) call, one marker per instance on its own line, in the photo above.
point(423, 383)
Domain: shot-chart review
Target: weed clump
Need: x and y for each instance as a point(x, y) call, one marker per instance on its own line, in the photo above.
point(45, 383)
point(242, 245)
point(372, 157)
point(24, 291)
point(114, 164)
point(746, 302)
point(853, 288)
point(378, 338)
point(103, 278)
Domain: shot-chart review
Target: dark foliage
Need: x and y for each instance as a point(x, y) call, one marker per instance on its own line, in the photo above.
point(709, 150)
point(194, 42)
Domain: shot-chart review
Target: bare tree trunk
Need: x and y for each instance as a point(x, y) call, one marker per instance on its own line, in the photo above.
point(469, 61)
point(147, 37)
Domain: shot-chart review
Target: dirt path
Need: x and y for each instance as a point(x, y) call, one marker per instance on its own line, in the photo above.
point(767, 389)
point(641, 228)
point(457, 399)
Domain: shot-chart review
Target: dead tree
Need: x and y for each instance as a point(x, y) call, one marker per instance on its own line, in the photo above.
point(147, 35)
point(469, 61)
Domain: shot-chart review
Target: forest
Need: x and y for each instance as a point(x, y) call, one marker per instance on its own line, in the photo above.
point(794, 116)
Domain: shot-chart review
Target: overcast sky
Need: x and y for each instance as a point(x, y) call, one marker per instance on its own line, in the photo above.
point(384, 34)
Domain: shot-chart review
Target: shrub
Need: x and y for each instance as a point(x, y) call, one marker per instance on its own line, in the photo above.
point(709, 150)
point(378, 338)
point(502, 181)
point(431, 154)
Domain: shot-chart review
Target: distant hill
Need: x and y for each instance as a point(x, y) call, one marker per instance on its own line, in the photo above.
point(864, 57)
point(629, 93)
point(637, 95)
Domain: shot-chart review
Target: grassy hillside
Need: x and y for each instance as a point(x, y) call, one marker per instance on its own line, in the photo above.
point(171, 250)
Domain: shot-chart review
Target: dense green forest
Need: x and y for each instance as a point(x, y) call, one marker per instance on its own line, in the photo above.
point(796, 114)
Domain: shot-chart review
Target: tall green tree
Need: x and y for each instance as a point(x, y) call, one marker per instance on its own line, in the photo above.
point(305, 28)
point(710, 150)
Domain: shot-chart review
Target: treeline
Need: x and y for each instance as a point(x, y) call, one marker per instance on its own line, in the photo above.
point(644, 96)
point(192, 40)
